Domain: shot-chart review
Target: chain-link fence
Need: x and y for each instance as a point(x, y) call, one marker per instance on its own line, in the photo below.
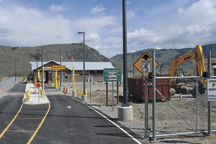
point(181, 107)
point(4, 84)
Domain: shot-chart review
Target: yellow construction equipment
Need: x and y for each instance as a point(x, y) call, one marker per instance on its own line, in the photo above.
point(175, 71)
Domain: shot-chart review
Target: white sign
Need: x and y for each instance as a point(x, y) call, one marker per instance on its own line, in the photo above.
point(211, 89)
point(90, 79)
point(112, 75)
point(146, 64)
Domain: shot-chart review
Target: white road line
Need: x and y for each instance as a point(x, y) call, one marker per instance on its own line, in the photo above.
point(111, 122)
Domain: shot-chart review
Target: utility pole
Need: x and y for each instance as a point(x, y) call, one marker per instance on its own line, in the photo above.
point(15, 71)
point(125, 74)
point(83, 61)
point(61, 70)
point(37, 66)
point(133, 63)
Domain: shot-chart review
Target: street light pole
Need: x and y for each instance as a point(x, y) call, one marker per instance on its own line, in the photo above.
point(133, 63)
point(125, 74)
point(61, 77)
point(42, 94)
point(37, 66)
point(42, 61)
point(15, 70)
point(83, 61)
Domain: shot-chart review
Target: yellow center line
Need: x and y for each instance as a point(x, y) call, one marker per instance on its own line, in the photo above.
point(35, 107)
point(11, 122)
point(18, 131)
point(29, 118)
point(39, 126)
point(34, 111)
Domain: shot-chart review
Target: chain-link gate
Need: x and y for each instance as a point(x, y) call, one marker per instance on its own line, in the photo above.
point(179, 109)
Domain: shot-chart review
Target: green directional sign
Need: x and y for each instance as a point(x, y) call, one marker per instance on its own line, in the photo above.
point(112, 75)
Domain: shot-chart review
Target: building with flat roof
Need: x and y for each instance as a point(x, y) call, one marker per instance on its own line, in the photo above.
point(94, 69)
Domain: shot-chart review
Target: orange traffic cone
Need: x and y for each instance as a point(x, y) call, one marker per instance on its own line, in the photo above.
point(35, 92)
point(0, 90)
point(180, 96)
point(64, 90)
point(67, 91)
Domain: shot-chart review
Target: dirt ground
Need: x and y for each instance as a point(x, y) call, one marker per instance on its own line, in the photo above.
point(168, 121)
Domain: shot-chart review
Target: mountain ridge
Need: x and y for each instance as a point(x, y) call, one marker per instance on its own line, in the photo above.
point(20, 57)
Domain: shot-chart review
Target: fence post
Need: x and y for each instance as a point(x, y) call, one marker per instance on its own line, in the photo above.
point(197, 94)
point(153, 98)
point(209, 102)
point(146, 106)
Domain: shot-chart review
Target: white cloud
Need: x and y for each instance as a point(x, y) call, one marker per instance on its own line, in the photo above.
point(142, 37)
point(109, 50)
point(92, 37)
point(112, 40)
point(128, 2)
point(196, 25)
point(180, 10)
point(117, 29)
point(97, 9)
point(29, 27)
point(167, 6)
point(94, 24)
point(1, 1)
point(130, 14)
point(58, 8)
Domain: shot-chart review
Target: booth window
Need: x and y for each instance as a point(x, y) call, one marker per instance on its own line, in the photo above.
point(65, 78)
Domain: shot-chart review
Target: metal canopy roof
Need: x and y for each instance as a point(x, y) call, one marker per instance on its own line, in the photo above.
point(77, 65)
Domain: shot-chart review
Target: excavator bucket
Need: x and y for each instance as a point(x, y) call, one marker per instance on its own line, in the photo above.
point(201, 89)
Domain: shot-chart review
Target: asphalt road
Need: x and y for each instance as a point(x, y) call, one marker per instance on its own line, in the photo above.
point(70, 121)
point(67, 122)
point(9, 106)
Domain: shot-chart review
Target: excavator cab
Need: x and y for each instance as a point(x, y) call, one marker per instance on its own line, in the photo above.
point(179, 73)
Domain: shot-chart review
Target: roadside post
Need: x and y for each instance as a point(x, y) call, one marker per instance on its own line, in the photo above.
point(146, 65)
point(210, 98)
point(59, 82)
point(90, 79)
point(145, 79)
point(43, 82)
point(56, 72)
point(154, 98)
point(117, 93)
point(38, 84)
point(106, 94)
point(112, 97)
point(38, 75)
point(111, 75)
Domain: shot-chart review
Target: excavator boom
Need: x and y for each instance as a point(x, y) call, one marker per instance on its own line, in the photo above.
point(198, 56)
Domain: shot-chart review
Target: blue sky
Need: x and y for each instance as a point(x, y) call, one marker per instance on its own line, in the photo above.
point(150, 23)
